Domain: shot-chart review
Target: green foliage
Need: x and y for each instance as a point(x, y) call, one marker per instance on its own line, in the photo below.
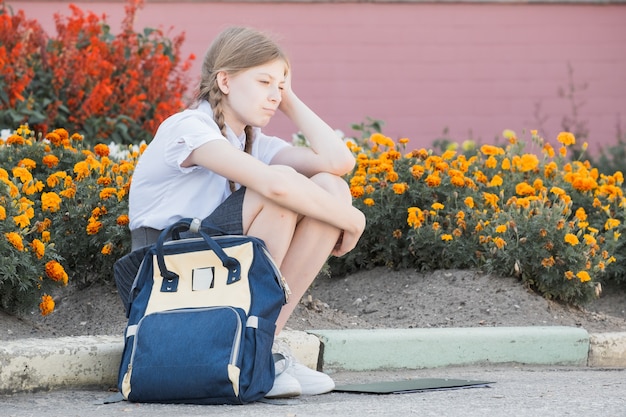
point(554, 223)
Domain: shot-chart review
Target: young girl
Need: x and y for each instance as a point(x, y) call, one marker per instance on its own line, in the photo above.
point(212, 161)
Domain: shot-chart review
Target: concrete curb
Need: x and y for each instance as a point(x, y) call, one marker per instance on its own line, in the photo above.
point(93, 361)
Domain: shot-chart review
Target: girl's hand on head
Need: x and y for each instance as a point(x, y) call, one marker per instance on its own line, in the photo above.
point(287, 94)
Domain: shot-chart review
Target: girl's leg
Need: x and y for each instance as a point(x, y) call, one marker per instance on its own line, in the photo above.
point(300, 246)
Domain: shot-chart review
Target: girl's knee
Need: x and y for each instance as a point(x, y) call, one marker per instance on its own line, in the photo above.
point(334, 184)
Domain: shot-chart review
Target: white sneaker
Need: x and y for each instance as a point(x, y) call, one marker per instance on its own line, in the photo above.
point(311, 382)
point(285, 386)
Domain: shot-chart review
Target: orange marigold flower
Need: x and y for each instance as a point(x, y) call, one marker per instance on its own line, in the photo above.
point(93, 226)
point(27, 163)
point(469, 202)
point(108, 192)
point(433, 180)
point(415, 217)
point(580, 214)
point(21, 221)
point(357, 192)
point(368, 202)
point(54, 138)
point(122, 219)
point(50, 202)
point(566, 138)
point(50, 161)
point(501, 228)
point(491, 150)
point(437, 206)
point(107, 249)
point(47, 305)
point(45, 236)
point(499, 242)
point(417, 171)
point(55, 272)
point(3, 213)
point(101, 149)
point(15, 239)
point(81, 169)
point(38, 247)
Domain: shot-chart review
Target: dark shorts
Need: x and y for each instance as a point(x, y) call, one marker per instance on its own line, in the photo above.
point(226, 217)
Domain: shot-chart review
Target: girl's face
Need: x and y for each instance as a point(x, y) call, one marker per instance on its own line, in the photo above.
point(252, 97)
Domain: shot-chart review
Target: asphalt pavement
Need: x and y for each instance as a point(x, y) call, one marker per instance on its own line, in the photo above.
point(519, 391)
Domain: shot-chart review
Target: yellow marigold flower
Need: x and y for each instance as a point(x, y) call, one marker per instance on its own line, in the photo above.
point(583, 276)
point(69, 193)
point(580, 214)
point(27, 163)
point(415, 217)
point(499, 242)
point(528, 162)
point(50, 161)
point(611, 223)
point(38, 247)
point(436, 225)
point(491, 150)
point(491, 199)
point(457, 181)
point(566, 138)
point(569, 274)
point(548, 150)
point(563, 151)
point(403, 141)
point(55, 272)
point(501, 228)
point(571, 239)
point(21, 221)
point(433, 180)
point(81, 169)
point(45, 236)
point(558, 191)
point(509, 134)
point(491, 162)
point(3, 213)
point(22, 174)
point(382, 140)
point(107, 249)
point(469, 202)
point(368, 202)
point(15, 239)
point(616, 235)
point(392, 176)
point(481, 177)
point(417, 171)
point(437, 206)
point(524, 188)
point(446, 237)
point(448, 155)
point(496, 181)
point(50, 202)
point(589, 239)
point(47, 305)
point(506, 164)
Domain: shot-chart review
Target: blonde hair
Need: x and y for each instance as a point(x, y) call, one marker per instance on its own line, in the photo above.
point(234, 50)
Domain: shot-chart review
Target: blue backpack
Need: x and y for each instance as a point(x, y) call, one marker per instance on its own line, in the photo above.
point(201, 320)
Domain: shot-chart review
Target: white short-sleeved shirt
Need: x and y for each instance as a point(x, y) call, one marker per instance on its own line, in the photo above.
point(162, 192)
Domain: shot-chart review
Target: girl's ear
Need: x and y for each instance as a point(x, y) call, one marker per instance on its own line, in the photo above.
point(222, 82)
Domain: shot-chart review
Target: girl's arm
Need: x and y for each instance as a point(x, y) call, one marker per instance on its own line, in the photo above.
point(327, 152)
point(285, 187)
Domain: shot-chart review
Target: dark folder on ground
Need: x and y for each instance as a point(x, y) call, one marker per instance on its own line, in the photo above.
point(411, 385)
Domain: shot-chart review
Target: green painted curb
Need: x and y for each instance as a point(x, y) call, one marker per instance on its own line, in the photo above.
point(363, 350)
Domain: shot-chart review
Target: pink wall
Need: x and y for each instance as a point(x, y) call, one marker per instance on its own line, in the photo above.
point(422, 67)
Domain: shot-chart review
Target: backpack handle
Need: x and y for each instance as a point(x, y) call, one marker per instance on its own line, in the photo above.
point(170, 279)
